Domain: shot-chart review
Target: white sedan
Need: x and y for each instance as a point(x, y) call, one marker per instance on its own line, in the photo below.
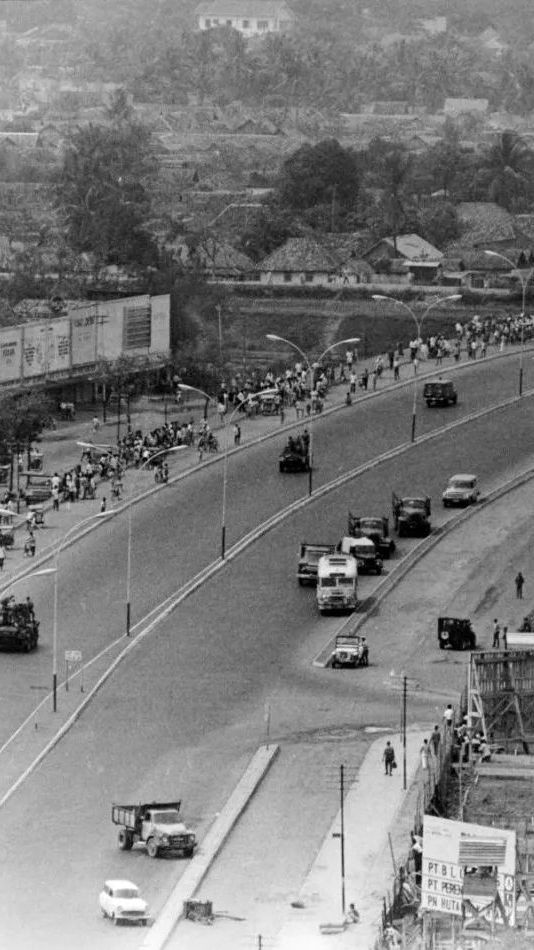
point(120, 900)
point(461, 490)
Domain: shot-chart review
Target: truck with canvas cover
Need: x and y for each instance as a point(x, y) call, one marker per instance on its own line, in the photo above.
point(157, 825)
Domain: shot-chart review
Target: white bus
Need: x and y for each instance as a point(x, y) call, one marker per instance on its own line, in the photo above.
point(337, 582)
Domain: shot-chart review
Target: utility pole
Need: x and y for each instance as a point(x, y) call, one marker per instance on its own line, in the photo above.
point(341, 833)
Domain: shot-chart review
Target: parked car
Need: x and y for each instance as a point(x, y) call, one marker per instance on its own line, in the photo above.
point(121, 900)
point(461, 490)
point(456, 633)
point(440, 392)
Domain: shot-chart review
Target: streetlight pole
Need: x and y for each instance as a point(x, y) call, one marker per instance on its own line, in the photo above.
point(524, 285)
point(309, 366)
point(252, 398)
point(55, 569)
point(174, 448)
point(419, 324)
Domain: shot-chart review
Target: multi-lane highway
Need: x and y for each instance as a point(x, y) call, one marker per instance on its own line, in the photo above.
point(184, 712)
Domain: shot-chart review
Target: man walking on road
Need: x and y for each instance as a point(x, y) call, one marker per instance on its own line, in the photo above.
point(496, 633)
point(448, 716)
point(388, 758)
point(519, 581)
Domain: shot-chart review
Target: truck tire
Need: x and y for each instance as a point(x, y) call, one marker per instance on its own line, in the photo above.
point(188, 852)
point(125, 840)
point(152, 848)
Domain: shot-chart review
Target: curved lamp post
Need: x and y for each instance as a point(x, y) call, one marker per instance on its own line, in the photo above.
point(249, 399)
point(55, 569)
point(310, 366)
point(524, 285)
point(184, 388)
point(174, 448)
point(419, 324)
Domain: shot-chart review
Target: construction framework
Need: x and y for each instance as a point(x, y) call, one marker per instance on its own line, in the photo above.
point(500, 698)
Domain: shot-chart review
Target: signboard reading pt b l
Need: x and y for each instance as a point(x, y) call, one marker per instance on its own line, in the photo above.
point(468, 870)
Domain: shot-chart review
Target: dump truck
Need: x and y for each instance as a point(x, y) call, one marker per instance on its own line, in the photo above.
point(309, 556)
point(19, 630)
point(157, 825)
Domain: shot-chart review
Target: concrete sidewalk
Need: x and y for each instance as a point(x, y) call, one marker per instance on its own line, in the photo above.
point(375, 806)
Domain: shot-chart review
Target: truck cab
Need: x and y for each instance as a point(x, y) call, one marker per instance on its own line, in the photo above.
point(377, 529)
point(411, 515)
point(337, 583)
point(364, 550)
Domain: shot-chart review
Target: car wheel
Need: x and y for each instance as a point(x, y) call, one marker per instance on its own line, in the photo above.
point(144, 922)
point(152, 848)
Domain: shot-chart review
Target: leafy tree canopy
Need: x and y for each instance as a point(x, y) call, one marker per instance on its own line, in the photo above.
point(101, 192)
point(318, 174)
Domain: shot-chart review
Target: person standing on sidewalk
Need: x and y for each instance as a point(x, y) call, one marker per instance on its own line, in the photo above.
point(424, 753)
point(519, 582)
point(435, 741)
point(496, 633)
point(448, 716)
point(396, 367)
point(388, 757)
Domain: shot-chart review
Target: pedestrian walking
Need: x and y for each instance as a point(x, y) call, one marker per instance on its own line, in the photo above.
point(374, 377)
point(96, 423)
point(448, 716)
point(237, 434)
point(365, 379)
point(505, 637)
point(415, 364)
point(103, 504)
point(435, 741)
point(396, 368)
point(424, 753)
point(388, 757)
point(55, 499)
point(519, 581)
point(2, 557)
point(496, 633)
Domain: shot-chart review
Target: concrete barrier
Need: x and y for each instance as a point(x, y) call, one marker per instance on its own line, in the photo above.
point(172, 911)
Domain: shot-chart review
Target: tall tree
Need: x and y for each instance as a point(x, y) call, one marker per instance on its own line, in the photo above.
point(101, 192)
point(320, 174)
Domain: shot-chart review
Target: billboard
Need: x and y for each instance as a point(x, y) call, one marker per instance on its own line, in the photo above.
point(10, 353)
point(45, 347)
point(468, 870)
point(84, 335)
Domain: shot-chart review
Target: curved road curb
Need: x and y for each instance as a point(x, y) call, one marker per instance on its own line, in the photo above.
point(192, 878)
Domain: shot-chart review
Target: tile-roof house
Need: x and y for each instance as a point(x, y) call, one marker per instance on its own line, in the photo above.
point(249, 17)
point(313, 261)
point(485, 224)
point(419, 259)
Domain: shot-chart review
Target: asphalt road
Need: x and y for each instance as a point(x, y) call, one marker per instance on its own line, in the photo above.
point(186, 710)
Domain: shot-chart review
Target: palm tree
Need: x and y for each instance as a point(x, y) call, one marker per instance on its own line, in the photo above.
point(508, 167)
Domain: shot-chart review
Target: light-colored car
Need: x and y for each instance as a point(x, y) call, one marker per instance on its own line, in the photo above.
point(121, 900)
point(461, 490)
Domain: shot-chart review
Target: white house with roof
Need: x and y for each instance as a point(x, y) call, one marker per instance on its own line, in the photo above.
point(249, 17)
